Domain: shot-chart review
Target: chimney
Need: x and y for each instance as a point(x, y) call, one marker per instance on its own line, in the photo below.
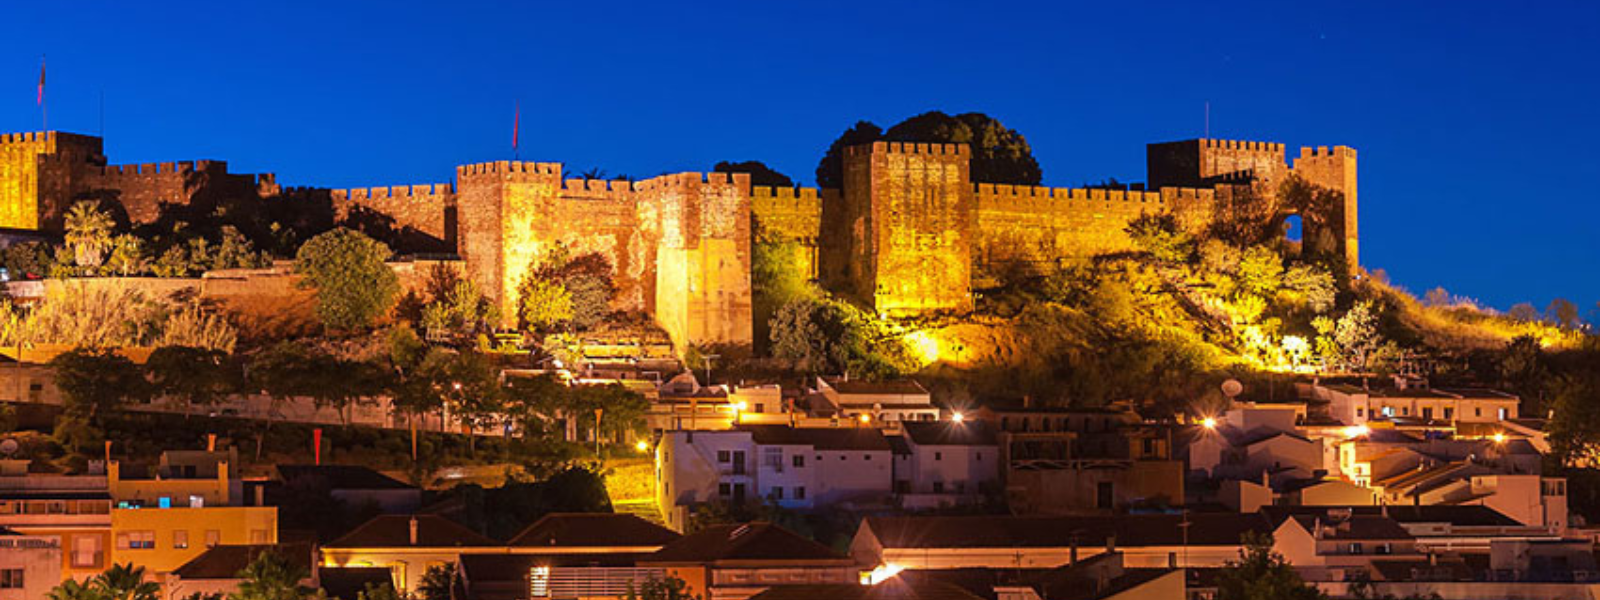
point(1111, 544)
point(1072, 558)
point(413, 530)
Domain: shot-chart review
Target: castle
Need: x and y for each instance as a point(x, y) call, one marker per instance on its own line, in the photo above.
point(904, 236)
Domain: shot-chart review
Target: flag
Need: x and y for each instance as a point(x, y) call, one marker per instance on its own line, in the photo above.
point(516, 124)
point(40, 101)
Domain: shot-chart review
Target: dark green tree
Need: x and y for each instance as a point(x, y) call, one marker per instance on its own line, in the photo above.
point(271, 576)
point(661, 588)
point(346, 270)
point(830, 172)
point(193, 376)
point(999, 154)
point(760, 173)
point(1262, 574)
point(93, 382)
point(437, 583)
point(1159, 234)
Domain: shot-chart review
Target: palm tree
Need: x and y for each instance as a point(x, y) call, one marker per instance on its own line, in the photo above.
point(126, 582)
point(271, 577)
point(88, 233)
point(72, 590)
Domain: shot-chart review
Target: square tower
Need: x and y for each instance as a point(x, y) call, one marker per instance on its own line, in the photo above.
point(909, 210)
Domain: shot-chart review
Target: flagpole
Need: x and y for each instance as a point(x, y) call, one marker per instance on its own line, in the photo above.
point(516, 132)
point(44, 109)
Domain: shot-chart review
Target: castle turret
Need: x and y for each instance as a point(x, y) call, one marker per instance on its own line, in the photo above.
point(1334, 170)
point(908, 210)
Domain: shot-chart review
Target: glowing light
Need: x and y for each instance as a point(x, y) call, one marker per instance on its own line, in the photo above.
point(1209, 423)
point(740, 406)
point(880, 573)
point(1355, 431)
point(866, 418)
point(643, 446)
point(958, 417)
point(1499, 438)
point(925, 346)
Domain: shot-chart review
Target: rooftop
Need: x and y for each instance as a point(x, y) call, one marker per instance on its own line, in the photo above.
point(593, 530)
point(1205, 529)
point(891, 589)
point(225, 562)
point(394, 531)
point(756, 541)
point(821, 438)
point(344, 477)
point(946, 433)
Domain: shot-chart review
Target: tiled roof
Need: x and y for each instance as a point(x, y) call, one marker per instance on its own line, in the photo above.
point(1205, 529)
point(821, 438)
point(897, 386)
point(748, 542)
point(344, 477)
point(394, 531)
point(891, 589)
point(946, 433)
point(225, 562)
point(1356, 527)
point(590, 530)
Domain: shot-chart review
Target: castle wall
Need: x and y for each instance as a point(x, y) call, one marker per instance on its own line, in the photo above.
point(702, 255)
point(793, 214)
point(910, 211)
point(1335, 169)
point(37, 174)
point(500, 224)
point(421, 208)
point(1204, 162)
point(1042, 225)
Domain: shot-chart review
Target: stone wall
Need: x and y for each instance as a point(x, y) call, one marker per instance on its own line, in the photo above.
point(1335, 169)
point(910, 213)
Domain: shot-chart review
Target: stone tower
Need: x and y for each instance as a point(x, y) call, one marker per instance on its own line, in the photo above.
point(908, 213)
point(1335, 169)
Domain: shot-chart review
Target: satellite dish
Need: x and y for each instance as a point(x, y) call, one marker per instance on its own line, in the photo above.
point(1232, 388)
point(8, 446)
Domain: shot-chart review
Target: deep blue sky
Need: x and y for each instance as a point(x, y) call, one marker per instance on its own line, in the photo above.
point(1476, 123)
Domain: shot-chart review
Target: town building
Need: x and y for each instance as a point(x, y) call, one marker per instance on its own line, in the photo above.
point(945, 463)
point(735, 562)
point(407, 545)
point(1083, 460)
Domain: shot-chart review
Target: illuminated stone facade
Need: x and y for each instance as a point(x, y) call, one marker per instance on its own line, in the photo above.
point(904, 236)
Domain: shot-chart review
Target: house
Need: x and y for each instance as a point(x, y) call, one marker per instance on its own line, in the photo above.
point(1102, 577)
point(356, 486)
point(192, 479)
point(73, 510)
point(594, 576)
point(29, 565)
point(1356, 405)
point(799, 468)
point(591, 533)
point(1340, 546)
point(894, 400)
point(1024, 542)
point(1078, 461)
point(1246, 442)
point(407, 545)
point(734, 562)
point(216, 570)
point(944, 463)
point(163, 539)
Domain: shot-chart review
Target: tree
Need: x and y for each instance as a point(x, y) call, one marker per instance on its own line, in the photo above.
point(543, 305)
point(1262, 574)
point(830, 171)
point(1159, 234)
point(1523, 311)
point(27, 260)
point(381, 591)
point(193, 326)
point(127, 256)
point(88, 233)
point(1311, 284)
point(1352, 341)
point(93, 381)
point(120, 582)
point(1260, 270)
point(760, 173)
point(198, 377)
point(622, 409)
point(661, 588)
point(561, 289)
point(532, 403)
point(272, 577)
point(346, 269)
point(823, 335)
point(438, 582)
point(999, 154)
point(1437, 297)
point(1562, 312)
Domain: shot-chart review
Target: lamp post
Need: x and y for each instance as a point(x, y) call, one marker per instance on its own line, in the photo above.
point(597, 413)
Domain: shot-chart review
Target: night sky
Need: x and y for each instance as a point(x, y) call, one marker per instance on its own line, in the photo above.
point(1476, 122)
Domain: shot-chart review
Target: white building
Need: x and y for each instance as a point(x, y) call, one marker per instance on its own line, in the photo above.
point(944, 463)
point(898, 400)
point(800, 468)
point(1355, 405)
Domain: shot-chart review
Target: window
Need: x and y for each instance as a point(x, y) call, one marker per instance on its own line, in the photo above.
point(1385, 548)
point(777, 492)
point(866, 457)
point(86, 551)
point(938, 456)
point(800, 492)
point(772, 458)
point(1388, 411)
point(1502, 414)
point(213, 537)
point(1105, 496)
point(798, 460)
point(136, 540)
point(1149, 446)
point(724, 489)
point(1449, 413)
point(979, 457)
point(1361, 412)
point(938, 487)
point(1477, 411)
point(258, 536)
point(724, 456)
point(1427, 412)
point(11, 579)
point(1355, 548)
point(180, 539)
point(197, 501)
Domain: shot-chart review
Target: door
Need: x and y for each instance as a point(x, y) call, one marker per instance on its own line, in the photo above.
point(738, 493)
point(738, 462)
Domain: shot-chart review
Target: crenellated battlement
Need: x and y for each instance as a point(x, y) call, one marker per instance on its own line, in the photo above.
point(784, 193)
point(596, 186)
point(399, 193)
point(692, 179)
point(955, 150)
point(1242, 145)
point(166, 168)
point(1023, 194)
point(27, 137)
point(1324, 151)
point(508, 167)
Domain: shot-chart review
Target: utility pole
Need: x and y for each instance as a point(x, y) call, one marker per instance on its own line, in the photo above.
point(707, 358)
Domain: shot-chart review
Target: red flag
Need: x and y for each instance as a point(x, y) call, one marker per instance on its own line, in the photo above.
point(40, 101)
point(516, 124)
